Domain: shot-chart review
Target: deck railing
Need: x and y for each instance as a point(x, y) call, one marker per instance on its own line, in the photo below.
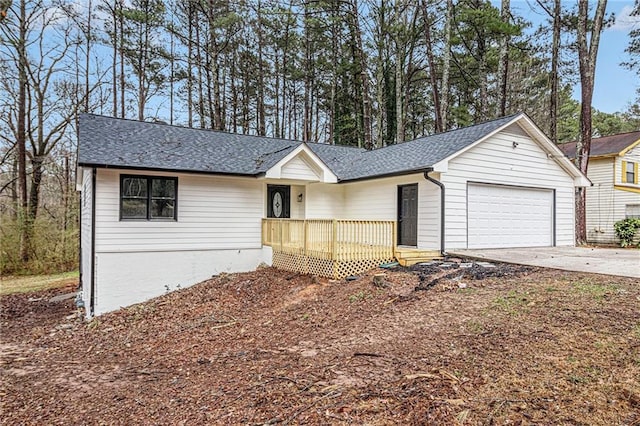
point(331, 239)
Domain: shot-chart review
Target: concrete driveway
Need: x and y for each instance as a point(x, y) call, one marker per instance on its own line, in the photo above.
point(610, 261)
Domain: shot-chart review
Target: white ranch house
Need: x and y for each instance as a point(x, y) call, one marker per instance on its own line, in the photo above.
point(165, 207)
point(615, 194)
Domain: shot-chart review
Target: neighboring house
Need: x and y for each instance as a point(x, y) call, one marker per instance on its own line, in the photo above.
point(615, 194)
point(164, 207)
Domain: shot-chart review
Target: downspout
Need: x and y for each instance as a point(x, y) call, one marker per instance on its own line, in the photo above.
point(93, 243)
point(430, 179)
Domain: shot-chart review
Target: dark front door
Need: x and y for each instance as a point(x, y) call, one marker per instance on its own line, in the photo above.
point(408, 215)
point(278, 201)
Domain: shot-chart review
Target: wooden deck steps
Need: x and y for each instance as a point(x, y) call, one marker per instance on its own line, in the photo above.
point(408, 256)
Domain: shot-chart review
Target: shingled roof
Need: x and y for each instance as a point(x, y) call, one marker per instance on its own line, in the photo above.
point(130, 144)
point(605, 146)
point(417, 154)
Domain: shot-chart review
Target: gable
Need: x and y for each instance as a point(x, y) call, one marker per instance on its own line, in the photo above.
point(522, 130)
point(301, 167)
point(515, 129)
point(302, 164)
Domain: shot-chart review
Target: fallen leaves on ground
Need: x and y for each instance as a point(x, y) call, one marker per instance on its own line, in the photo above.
point(432, 346)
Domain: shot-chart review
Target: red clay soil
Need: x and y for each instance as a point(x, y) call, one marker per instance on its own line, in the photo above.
point(510, 345)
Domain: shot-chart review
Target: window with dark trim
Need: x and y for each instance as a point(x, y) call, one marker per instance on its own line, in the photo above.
point(148, 197)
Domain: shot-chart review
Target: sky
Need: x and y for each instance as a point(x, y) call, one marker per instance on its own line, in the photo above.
point(615, 87)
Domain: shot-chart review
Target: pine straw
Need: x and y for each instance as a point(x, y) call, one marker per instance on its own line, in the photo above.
point(517, 345)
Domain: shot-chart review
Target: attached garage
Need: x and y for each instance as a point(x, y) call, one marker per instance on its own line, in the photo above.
point(502, 216)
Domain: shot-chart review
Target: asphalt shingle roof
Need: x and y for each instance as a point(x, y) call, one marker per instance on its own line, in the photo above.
point(113, 142)
point(417, 154)
point(606, 145)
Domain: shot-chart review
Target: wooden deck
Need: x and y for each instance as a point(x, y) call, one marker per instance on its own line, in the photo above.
point(329, 248)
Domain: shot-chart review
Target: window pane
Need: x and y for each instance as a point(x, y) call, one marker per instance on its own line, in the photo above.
point(163, 209)
point(134, 208)
point(632, 210)
point(134, 187)
point(163, 188)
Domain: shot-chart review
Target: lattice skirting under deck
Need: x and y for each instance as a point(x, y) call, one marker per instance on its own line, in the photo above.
point(336, 269)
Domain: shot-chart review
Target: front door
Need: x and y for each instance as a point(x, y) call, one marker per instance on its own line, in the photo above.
point(278, 201)
point(408, 215)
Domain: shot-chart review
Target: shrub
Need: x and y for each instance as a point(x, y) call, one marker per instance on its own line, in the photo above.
point(626, 230)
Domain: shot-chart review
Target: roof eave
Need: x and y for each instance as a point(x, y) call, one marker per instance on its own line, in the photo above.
point(629, 148)
point(170, 170)
point(387, 175)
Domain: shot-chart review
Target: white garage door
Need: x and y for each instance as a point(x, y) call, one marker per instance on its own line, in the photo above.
point(506, 216)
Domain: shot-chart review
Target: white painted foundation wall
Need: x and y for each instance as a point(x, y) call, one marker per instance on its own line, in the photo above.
point(123, 279)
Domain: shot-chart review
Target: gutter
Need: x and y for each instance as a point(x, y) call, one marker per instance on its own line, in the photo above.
point(93, 243)
point(442, 222)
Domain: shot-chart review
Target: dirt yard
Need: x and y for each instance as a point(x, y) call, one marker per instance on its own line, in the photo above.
point(504, 345)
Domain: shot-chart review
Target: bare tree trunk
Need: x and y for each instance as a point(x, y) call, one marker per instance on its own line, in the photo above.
point(399, 73)
point(410, 72)
point(234, 93)
point(262, 128)
point(364, 78)
point(555, 54)
point(433, 78)
point(65, 200)
point(587, 55)
point(201, 67)
point(285, 81)
point(276, 92)
point(114, 82)
point(219, 122)
point(122, 76)
point(503, 64)
point(446, 66)
point(87, 59)
point(334, 75)
point(171, 72)
point(190, 65)
point(306, 123)
point(22, 135)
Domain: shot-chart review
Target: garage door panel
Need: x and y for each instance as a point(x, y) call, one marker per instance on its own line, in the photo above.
point(505, 216)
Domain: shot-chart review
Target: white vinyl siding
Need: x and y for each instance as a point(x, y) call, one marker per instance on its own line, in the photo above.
point(213, 213)
point(378, 200)
point(300, 169)
point(297, 208)
point(324, 201)
point(85, 233)
point(600, 203)
point(496, 161)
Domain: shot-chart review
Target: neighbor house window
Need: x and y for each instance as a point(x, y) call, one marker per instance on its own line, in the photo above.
point(632, 210)
point(629, 172)
point(148, 197)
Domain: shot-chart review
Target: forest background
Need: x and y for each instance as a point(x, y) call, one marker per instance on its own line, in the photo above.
point(365, 73)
